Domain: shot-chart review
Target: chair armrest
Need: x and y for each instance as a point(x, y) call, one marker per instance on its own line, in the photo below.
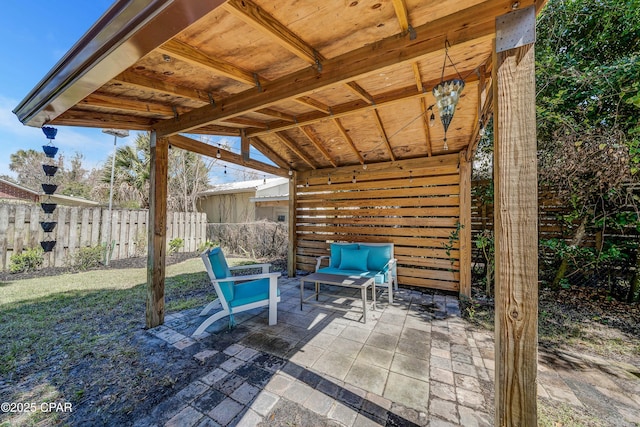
point(265, 267)
point(319, 260)
point(250, 277)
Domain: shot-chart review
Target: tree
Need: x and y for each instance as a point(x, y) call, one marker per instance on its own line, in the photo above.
point(27, 165)
point(588, 69)
point(188, 175)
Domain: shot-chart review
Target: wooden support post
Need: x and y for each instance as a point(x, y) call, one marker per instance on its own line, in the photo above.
point(159, 155)
point(516, 228)
point(291, 253)
point(465, 226)
point(245, 145)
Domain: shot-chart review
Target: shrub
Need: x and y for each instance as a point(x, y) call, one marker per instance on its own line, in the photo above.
point(175, 245)
point(88, 258)
point(27, 260)
point(207, 245)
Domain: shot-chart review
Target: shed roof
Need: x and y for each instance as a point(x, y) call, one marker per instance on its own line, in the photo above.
point(310, 84)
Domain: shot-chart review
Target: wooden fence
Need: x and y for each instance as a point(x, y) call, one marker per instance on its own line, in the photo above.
point(79, 227)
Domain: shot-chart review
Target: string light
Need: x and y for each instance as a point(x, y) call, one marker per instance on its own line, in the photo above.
point(218, 155)
point(307, 184)
point(329, 180)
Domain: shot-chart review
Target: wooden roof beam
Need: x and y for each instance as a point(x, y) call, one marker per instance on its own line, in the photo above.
point(253, 15)
point(359, 106)
point(469, 24)
point(383, 133)
point(247, 122)
point(316, 105)
point(189, 144)
point(186, 53)
point(318, 144)
point(264, 148)
point(293, 146)
point(347, 138)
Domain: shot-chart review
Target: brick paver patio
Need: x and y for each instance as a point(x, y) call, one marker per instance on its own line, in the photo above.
point(415, 362)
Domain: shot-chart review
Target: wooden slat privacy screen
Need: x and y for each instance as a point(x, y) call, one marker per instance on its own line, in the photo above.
point(414, 204)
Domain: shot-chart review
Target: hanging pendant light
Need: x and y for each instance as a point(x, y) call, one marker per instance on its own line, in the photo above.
point(447, 94)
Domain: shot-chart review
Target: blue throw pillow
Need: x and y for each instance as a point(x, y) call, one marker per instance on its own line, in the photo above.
point(379, 255)
point(336, 250)
point(354, 259)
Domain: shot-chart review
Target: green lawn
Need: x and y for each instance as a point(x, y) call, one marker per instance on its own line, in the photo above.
point(73, 336)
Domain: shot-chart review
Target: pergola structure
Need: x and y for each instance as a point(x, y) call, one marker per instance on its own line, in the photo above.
point(338, 95)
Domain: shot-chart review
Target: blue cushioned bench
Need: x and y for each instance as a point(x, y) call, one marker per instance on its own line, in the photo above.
point(362, 259)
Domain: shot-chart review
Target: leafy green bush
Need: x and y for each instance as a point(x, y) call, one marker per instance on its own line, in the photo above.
point(175, 244)
point(28, 260)
point(88, 258)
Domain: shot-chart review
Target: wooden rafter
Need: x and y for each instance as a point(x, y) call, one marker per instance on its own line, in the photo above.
point(184, 52)
point(389, 52)
point(133, 79)
point(110, 102)
point(353, 107)
point(253, 15)
point(402, 14)
point(348, 139)
point(316, 105)
point(247, 122)
point(180, 141)
point(318, 144)
point(275, 113)
point(360, 92)
point(264, 148)
point(293, 146)
point(383, 134)
point(97, 119)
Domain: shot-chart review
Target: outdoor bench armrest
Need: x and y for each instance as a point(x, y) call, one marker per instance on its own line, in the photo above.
point(265, 267)
point(251, 277)
point(319, 260)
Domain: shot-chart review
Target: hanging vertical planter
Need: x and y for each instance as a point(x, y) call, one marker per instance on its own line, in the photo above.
point(48, 245)
point(48, 188)
point(50, 170)
point(48, 226)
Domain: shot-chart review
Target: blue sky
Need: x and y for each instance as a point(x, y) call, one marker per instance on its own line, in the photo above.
point(36, 34)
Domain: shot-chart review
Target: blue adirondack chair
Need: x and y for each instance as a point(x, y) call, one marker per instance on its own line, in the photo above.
point(238, 293)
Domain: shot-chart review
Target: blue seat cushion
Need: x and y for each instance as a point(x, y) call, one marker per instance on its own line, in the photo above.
point(379, 277)
point(221, 271)
point(248, 292)
point(354, 259)
point(379, 256)
point(336, 252)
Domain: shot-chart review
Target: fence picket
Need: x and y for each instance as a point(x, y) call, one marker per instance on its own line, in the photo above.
point(86, 227)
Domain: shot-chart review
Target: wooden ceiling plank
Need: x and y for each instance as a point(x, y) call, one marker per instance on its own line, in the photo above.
point(146, 83)
point(469, 24)
point(347, 138)
point(264, 148)
point(293, 146)
point(181, 50)
point(189, 144)
point(383, 133)
point(318, 144)
point(258, 18)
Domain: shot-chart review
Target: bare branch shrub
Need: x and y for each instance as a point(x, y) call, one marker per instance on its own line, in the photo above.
point(262, 239)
